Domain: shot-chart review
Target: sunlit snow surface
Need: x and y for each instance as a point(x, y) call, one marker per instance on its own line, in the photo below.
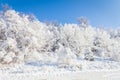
point(89, 70)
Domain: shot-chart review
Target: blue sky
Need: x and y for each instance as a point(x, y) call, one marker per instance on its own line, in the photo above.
point(100, 13)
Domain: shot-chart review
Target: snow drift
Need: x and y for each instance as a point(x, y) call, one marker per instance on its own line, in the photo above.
point(23, 38)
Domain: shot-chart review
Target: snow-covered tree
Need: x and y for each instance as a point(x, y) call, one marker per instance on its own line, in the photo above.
point(23, 37)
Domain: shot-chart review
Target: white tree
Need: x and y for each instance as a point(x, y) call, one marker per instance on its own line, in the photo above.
point(23, 37)
point(83, 21)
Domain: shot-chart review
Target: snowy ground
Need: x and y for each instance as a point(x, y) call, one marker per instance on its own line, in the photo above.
point(81, 75)
point(90, 70)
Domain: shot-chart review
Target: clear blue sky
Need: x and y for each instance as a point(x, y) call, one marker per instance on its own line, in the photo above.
point(99, 12)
